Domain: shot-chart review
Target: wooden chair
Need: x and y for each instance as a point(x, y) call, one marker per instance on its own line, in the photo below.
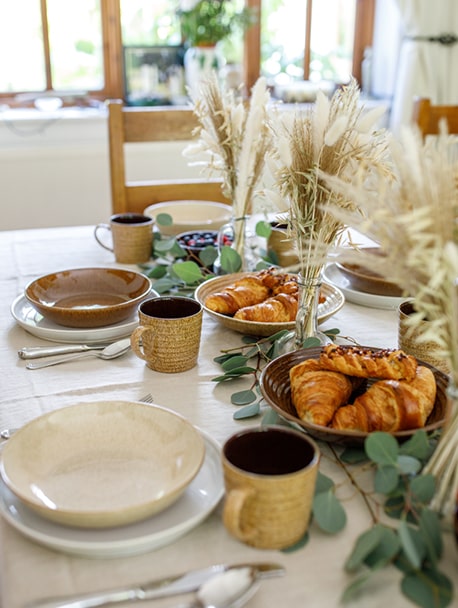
point(134, 125)
point(428, 116)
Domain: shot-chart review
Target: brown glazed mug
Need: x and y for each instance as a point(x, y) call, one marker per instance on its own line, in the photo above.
point(168, 336)
point(269, 475)
point(131, 235)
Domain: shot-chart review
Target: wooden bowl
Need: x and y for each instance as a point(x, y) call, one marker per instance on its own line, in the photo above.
point(276, 390)
point(334, 302)
point(88, 297)
point(365, 280)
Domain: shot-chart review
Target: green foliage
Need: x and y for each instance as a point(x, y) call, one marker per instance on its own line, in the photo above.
point(414, 545)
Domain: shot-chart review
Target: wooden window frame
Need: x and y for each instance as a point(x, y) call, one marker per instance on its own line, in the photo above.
point(113, 60)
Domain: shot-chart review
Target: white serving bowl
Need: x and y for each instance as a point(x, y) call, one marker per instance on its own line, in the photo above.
point(102, 464)
point(191, 215)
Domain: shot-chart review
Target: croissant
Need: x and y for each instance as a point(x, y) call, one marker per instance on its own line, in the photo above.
point(245, 292)
point(391, 405)
point(367, 363)
point(317, 394)
point(276, 309)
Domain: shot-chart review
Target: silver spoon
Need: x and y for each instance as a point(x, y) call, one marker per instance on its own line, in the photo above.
point(230, 589)
point(109, 352)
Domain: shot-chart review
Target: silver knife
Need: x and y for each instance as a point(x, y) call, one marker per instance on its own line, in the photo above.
point(34, 352)
point(162, 587)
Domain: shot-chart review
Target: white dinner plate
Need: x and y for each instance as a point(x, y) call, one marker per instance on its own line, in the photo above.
point(333, 275)
point(34, 322)
point(197, 502)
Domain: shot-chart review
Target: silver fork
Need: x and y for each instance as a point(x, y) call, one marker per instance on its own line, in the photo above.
point(6, 433)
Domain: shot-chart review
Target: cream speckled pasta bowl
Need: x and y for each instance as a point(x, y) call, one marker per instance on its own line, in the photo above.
point(102, 464)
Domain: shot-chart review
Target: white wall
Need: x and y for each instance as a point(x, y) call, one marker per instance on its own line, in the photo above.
point(54, 168)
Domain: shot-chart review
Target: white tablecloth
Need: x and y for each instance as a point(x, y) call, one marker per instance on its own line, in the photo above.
point(315, 576)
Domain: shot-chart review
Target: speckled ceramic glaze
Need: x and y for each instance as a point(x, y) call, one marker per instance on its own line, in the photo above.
point(88, 297)
point(102, 464)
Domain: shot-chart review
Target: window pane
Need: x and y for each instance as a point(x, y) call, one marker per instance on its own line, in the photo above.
point(149, 22)
point(283, 39)
point(75, 34)
point(21, 47)
point(331, 45)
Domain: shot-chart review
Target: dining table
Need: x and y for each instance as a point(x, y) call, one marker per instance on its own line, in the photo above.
point(31, 569)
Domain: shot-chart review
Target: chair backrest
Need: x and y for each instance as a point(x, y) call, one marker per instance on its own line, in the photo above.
point(152, 124)
point(428, 116)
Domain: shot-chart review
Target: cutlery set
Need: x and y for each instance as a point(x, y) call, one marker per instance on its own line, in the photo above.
point(72, 352)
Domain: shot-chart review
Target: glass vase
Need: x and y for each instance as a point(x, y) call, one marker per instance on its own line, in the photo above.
point(307, 311)
point(239, 235)
point(199, 63)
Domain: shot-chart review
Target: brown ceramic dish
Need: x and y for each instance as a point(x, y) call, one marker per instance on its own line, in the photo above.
point(363, 279)
point(275, 388)
point(88, 297)
point(334, 302)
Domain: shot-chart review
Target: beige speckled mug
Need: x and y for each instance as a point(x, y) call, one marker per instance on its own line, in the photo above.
point(132, 237)
point(269, 475)
point(168, 337)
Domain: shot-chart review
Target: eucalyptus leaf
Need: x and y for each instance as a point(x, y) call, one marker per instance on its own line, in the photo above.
point(164, 219)
point(208, 255)
point(323, 483)
point(241, 370)
point(247, 412)
point(164, 284)
point(353, 589)
point(428, 589)
point(386, 479)
point(430, 529)
point(382, 448)
point(222, 358)
point(353, 455)
point(165, 246)
point(394, 506)
point(234, 362)
point(365, 544)
point(230, 260)
point(298, 545)
point(189, 272)
point(271, 417)
point(385, 551)
point(408, 464)
point(423, 487)
point(263, 229)
point(409, 546)
point(243, 397)
point(328, 512)
point(417, 445)
point(157, 272)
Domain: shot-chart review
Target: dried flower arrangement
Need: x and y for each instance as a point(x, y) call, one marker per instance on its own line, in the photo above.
point(414, 220)
point(337, 137)
point(235, 138)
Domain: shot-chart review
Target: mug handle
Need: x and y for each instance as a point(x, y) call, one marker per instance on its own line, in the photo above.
point(102, 227)
point(232, 513)
point(135, 341)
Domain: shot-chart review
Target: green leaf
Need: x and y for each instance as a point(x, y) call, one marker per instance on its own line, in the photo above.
point(428, 589)
point(271, 417)
point(222, 358)
point(157, 272)
point(298, 545)
point(382, 448)
point(263, 229)
point(233, 362)
point(328, 512)
point(365, 544)
point(243, 397)
point(230, 260)
point(241, 370)
point(394, 507)
point(164, 219)
point(409, 546)
point(423, 487)
point(189, 272)
point(323, 483)
point(208, 255)
point(408, 464)
point(164, 245)
point(417, 446)
point(163, 285)
point(385, 551)
point(310, 343)
point(354, 588)
point(386, 479)
point(353, 455)
point(430, 528)
point(247, 412)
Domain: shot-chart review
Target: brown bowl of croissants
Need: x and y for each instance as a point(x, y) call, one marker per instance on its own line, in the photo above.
point(261, 303)
point(340, 394)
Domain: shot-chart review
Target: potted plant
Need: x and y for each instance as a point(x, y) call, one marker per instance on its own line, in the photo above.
point(204, 24)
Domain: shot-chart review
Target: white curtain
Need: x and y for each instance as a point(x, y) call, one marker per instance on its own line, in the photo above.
point(425, 67)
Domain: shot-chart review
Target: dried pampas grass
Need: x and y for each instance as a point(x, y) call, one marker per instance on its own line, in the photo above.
point(414, 220)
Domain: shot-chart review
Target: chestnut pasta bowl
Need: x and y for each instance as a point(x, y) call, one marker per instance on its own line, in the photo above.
point(276, 390)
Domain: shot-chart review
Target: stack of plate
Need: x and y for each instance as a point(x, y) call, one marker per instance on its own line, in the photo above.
point(109, 478)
